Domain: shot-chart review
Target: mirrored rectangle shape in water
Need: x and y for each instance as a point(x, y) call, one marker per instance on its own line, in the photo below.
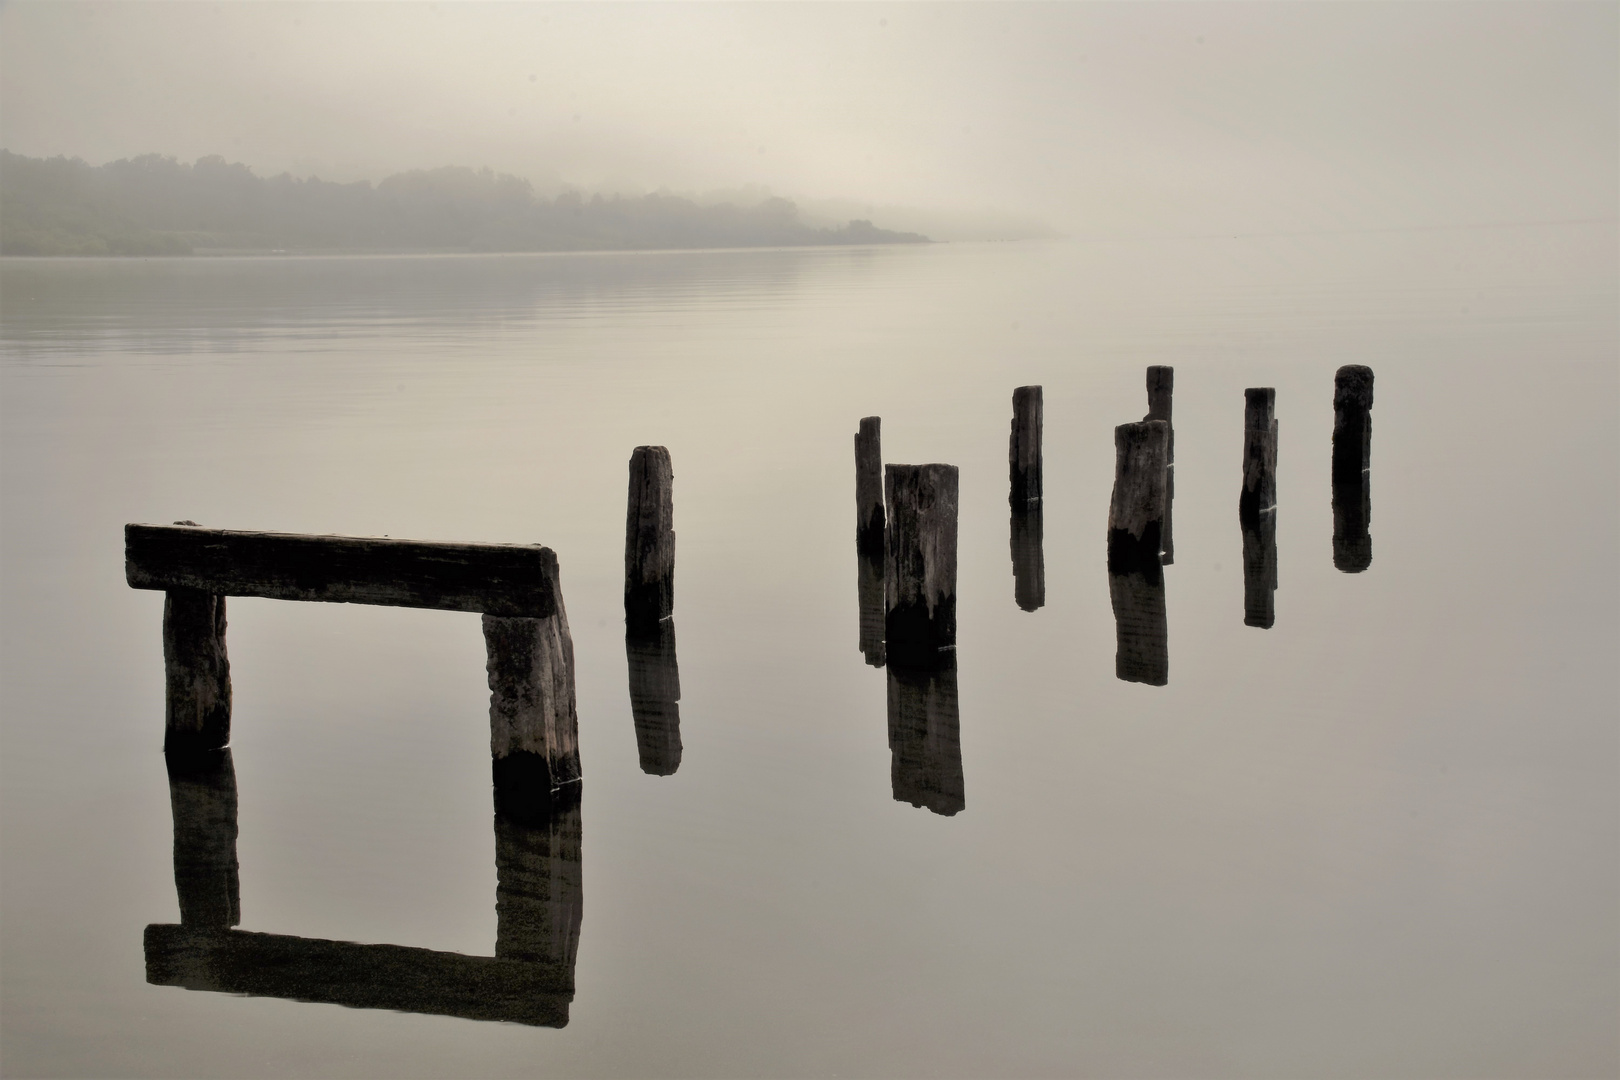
point(925, 742)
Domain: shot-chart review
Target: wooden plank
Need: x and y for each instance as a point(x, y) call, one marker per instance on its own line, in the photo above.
point(1161, 384)
point(1136, 510)
point(869, 487)
point(649, 538)
point(1352, 468)
point(359, 976)
point(1028, 557)
point(499, 579)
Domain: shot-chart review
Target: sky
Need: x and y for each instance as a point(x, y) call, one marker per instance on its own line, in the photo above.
point(1090, 118)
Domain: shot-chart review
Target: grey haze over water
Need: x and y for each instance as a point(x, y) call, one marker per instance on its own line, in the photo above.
point(956, 120)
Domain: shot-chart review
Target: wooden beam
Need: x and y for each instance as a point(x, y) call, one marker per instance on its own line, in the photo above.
point(497, 579)
point(1024, 447)
point(649, 538)
point(920, 562)
point(869, 487)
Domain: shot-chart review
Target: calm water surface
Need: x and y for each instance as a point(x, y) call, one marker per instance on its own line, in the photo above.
point(1381, 838)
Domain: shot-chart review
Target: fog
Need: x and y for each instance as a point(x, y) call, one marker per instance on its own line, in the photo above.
point(1088, 118)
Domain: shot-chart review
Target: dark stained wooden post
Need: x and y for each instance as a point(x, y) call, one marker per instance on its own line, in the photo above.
point(869, 590)
point(1028, 557)
point(925, 745)
point(196, 670)
point(1161, 381)
point(1024, 447)
point(869, 488)
point(539, 895)
point(649, 538)
point(1135, 574)
point(202, 798)
point(533, 725)
point(920, 562)
point(1136, 512)
point(655, 693)
point(1257, 507)
point(1352, 468)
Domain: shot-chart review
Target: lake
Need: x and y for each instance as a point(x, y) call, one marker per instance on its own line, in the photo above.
point(1379, 838)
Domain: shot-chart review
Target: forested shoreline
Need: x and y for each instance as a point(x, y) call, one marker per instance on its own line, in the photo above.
point(155, 205)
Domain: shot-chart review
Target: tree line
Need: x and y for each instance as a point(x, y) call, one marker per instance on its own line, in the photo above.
point(156, 205)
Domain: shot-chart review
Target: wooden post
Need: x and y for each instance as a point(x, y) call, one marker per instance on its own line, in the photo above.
point(1257, 507)
point(1136, 512)
point(925, 745)
point(920, 562)
point(1028, 558)
point(534, 729)
point(649, 538)
point(196, 671)
point(1161, 381)
point(1024, 447)
point(869, 488)
point(539, 896)
point(655, 693)
point(1352, 468)
point(869, 591)
point(202, 799)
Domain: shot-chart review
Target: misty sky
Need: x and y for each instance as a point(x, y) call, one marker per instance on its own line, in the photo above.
point(1093, 117)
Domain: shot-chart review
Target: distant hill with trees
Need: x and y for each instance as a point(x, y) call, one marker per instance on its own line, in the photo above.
point(155, 205)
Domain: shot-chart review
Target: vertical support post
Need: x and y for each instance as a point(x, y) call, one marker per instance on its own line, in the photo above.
point(197, 671)
point(1024, 447)
point(920, 562)
point(202, 798)
point(1352, 468)
point(649, 538)
point(1028, 558)
point(1135, 574)
point(539, 895)
point(1257, 507)
point(1161, 382)
point(655, 691)
point(533, 725)
point(925, 744)
point(869, 591)
point(869, 488)
point(1136, 511)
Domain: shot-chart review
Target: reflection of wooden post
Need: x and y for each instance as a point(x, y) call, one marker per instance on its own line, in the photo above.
point(539, 898)
point(1136, 512)
point(869, 488)
point(202, 798)
point(1028, 558)
point(1161, 383)
point(925, 737)
point(655, 690)
point(1024, 447)
point(534, 729)
point(920, 563)
point(869, 591)
point(649, 538)
point(197, 671)
point(1352, 468)
point(1141, 629)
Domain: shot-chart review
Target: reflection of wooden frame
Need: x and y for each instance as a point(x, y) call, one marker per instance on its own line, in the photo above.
point(534, 731)
point(529, 980)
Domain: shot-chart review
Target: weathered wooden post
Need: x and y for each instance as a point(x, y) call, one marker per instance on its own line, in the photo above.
point(202, 799)
point(196, 669)
point(1352, 468)
point(925, 745)
point(649, 538)
point(539, 894)
point(1161, 381)
point(655, 693)
point(920, 562)
point(869, 591)
point(1136, 511)
point(533, 725)
point(1257, 507)
point(869, 488)
point(1135, 574)
point(1024, 447)
point(1028, 557)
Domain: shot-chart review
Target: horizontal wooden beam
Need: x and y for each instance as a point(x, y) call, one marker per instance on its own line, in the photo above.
point(359, 976)
point(514, 580)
